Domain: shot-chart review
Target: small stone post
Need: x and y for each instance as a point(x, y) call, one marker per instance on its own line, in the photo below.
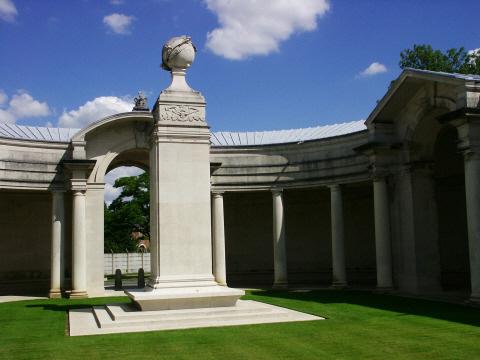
point(141, 278)
point(118, 279)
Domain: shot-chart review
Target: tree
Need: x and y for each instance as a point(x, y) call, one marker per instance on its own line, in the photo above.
point(451, 61)
point(128, 213)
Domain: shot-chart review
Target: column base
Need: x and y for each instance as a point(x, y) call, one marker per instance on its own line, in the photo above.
point(383, 289)
point(339, 285)
point(280, 286)
point(474, 300)
point(55, 294)
point(78, 294)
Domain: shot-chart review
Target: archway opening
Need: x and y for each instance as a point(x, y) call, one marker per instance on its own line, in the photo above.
point(126, 221)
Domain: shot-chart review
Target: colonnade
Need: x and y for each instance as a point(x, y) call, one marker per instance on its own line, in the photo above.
point(382, 235)
point(339, 279)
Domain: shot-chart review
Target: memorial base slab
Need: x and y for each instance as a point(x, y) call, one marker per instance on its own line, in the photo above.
point(148, 299)
point(124, 318)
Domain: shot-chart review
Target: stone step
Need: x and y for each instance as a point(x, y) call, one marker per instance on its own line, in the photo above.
point(120, 312)
point(104, 319)
point(99, 320)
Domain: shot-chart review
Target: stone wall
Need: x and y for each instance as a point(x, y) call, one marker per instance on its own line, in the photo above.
point(128, 263)
point(25, 222)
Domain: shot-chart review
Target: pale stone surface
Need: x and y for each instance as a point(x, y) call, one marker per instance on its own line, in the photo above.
point(382, 234)
point(123, 318)
point(218, 229)
point(58, 244)
point(279, 241)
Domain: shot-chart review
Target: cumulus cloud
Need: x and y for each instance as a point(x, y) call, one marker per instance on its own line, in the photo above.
point(119, 23)
point(94, 110)
point(373, 69)
point(253, 27)
point(8, 11)
point(21, 106)
point(3, 97)
point(112, 193)
point(474, 52)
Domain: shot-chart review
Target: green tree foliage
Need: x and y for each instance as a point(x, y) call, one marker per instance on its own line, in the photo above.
point(129, 212)
point(451, 61)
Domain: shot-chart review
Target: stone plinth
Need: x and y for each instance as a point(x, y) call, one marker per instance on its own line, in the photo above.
point(184, 298)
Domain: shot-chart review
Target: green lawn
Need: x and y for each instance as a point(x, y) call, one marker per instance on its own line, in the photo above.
point(360, 325)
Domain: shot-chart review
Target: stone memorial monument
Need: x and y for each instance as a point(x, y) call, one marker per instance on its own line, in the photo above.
point(180, 203)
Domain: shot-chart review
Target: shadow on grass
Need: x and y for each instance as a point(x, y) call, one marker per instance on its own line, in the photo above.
point(66, 305)
point(405, 306)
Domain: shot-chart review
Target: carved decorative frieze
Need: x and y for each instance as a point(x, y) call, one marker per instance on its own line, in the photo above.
point(181, 113)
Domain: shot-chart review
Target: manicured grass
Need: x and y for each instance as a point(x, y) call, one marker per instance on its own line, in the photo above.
point(360, 325)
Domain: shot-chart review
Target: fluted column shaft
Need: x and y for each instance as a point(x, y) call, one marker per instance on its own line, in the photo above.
point(383, 248)
point(57, 246)
point(79, 249)
point(219, 264)
point(279, 241)
point(338, 246)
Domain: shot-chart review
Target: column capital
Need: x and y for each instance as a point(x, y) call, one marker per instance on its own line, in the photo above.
point(335, 187)
point(277, 191)
point(217, 193)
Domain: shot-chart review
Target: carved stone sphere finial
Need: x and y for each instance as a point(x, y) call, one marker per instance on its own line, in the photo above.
point(141, 102)
point(178, 53)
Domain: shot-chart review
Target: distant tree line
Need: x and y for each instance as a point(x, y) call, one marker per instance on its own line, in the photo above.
point(453, 60)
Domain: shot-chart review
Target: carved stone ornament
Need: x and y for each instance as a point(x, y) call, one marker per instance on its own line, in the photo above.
point(141, 102)
point(182, 113)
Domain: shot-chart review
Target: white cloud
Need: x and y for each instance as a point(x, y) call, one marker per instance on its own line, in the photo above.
point(6, 117)
point(254, 27)
point(94, 110)
point(474, 51)
point(117, 2)
point(112, 193)
point(8, 11)
point(119, 23)
point(373, 69)
point(3, 97)
point(21, 106)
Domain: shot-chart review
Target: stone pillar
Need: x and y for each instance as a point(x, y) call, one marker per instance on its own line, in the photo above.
point(383, 245)
point(472, 189)
point(180, 198)
point(79, 250)
point(338, 246)
point(218, 225)
point(279, 242)
point(58, 243)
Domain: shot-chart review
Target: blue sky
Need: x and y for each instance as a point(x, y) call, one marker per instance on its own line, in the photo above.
point(260, 64)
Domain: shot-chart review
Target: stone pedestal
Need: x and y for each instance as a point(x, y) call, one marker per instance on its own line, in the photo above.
point(180, 206)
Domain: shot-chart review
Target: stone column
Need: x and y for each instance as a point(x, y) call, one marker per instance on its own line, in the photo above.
point(279, 242)
point(79, 251)
point(58, 239)
point(383, 246)
point(219, 265)
point(338, 246)
point(472, 189)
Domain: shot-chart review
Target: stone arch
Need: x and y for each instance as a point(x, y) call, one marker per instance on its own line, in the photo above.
point(117, 140)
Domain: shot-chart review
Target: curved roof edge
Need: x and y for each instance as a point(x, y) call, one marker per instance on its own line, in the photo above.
point(219, 138)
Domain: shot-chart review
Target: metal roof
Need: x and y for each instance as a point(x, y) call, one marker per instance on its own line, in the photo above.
point(219, 138)
point(449, 75)
point(229, 138)
point(39, 133)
